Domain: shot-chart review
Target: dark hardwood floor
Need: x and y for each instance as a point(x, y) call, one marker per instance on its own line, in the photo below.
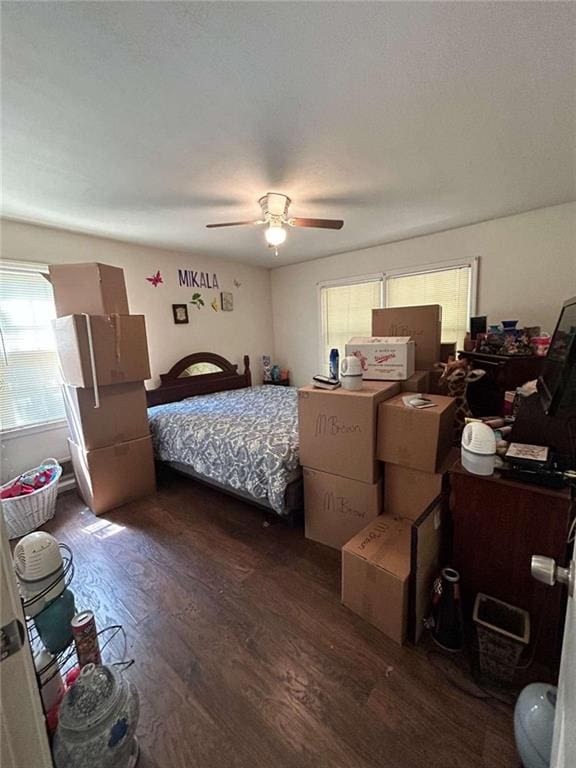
point(244, 656)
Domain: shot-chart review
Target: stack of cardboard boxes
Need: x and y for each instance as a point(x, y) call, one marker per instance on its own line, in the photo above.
point(390, 552)
point(342, 479)
point(388, 567)
point(104, 361)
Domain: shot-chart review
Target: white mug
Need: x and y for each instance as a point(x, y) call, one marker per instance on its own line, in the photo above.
point(351, 373)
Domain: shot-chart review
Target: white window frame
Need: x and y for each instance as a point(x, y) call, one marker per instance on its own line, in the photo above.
point(437, 266)
point(440, 266)
point(43, 426)
point(341, 281)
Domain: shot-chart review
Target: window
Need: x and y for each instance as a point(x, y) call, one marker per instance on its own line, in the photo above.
point(29, 371)
point(346, 305)
point(450, 286)
point(346, 310)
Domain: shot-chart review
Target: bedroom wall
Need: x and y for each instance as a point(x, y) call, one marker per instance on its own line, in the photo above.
point(527, 269)
point(246, 330)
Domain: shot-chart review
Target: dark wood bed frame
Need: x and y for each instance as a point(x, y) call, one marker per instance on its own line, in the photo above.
point(173, 388)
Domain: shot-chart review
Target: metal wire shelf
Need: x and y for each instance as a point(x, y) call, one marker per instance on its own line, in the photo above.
point(65, 660)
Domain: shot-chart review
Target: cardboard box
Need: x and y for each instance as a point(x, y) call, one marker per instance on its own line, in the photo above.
point(336, 508)
point(94, 289)
point(389, 358)
point(423, 325)
point(426, 544)
point(408, 492)
point(112, 476)
point(375, 574)
point(120, 349)
point(121, 415)
point(338, 429)
point(416, 438)
point(418, 382)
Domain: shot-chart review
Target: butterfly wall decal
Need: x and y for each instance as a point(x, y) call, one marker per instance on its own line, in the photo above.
point(155, 279)
point(237, 283)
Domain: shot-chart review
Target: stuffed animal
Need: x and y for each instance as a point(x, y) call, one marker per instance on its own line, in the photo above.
point(455, 378)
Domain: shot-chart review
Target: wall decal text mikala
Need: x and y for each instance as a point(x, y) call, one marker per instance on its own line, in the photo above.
point(192, 278)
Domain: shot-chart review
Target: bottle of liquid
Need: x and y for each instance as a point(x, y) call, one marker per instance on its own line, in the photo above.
point(334, 364)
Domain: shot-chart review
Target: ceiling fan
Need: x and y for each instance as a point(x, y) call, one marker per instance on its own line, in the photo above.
point(275, 216)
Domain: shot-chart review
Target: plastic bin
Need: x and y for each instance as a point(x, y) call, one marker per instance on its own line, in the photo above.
point(503, 633)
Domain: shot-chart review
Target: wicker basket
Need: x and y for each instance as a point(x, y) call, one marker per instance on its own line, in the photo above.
point(26, 513)
point(503, 633)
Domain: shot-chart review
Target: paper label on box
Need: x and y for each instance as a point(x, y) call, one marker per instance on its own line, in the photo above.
point(384, 358)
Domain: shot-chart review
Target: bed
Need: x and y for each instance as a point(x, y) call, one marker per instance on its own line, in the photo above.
point(208, 422)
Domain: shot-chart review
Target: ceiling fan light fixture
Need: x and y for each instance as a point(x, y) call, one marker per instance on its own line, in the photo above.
point(275, 218)
point(275, 235)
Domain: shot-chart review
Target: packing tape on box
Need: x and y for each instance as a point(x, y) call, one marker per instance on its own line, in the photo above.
point(92, 361)
point(116, 327)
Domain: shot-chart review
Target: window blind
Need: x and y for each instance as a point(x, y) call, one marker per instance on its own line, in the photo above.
point(29, 371)
point(451, 288)
point(346, 312)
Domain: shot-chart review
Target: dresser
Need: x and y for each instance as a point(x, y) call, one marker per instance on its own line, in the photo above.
point(504, 372)
point(497, 525)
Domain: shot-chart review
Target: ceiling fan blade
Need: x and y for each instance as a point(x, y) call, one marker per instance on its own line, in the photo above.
point(320, 223)
point(232, 224)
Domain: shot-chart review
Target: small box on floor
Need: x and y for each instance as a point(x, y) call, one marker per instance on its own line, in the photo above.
point(121, 415)
point(383, 358)
point(336, 508)
point(419, 439)
point(423, 324)
point(418, 382)
point(94, 289)
point(376, 572)
point(112, 476)
point(118, 344)
point(338, 429)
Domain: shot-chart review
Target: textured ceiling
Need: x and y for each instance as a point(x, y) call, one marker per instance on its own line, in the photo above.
point(146, 121)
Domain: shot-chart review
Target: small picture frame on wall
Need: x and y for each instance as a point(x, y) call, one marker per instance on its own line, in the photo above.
point(227, 301)
point(180, 312)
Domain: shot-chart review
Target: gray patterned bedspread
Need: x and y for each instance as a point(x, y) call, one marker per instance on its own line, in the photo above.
point(244, 438)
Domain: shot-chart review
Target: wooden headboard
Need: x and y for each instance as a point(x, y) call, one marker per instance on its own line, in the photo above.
point(174, 386)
